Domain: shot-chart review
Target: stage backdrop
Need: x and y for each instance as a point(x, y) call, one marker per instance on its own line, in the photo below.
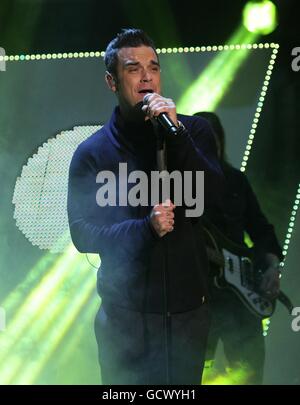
point(47, 296)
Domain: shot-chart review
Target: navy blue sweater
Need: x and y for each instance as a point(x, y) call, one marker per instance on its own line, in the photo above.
point(139, 270)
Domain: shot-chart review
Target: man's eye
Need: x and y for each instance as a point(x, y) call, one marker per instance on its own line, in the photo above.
point(155, 69)
point(133, 69)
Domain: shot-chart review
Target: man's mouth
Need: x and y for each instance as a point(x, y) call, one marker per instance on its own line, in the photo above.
point(145, 91)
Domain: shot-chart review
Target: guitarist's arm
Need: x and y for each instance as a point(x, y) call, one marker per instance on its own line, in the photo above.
point(266, 244)
point(270, 284)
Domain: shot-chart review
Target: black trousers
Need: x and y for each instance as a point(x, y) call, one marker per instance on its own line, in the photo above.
point(143, 348)
point(241, 334)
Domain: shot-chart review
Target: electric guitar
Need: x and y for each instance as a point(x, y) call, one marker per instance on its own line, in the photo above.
point(234, 268)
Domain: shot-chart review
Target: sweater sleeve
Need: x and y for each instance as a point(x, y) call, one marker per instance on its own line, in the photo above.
point(96, 229)
point(194, 149)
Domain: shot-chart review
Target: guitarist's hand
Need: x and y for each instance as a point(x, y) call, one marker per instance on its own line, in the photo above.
point(270, 284)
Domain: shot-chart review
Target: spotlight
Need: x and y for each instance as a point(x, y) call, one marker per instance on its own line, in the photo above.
point(260, 16)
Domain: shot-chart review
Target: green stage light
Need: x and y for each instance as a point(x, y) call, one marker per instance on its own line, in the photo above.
point(231, 376)
point(72, 341)
point(207, 91)
point(52, 335)
point(43, 310)
point(260, 17)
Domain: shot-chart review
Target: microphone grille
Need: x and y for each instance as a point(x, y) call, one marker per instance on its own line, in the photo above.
point(146, 98)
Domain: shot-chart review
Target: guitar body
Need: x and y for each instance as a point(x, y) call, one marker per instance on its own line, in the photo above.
point(238, 275)
point(235, 270)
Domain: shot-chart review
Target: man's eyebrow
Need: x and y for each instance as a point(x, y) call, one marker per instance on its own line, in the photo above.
point(155, 62)
point(132, 63)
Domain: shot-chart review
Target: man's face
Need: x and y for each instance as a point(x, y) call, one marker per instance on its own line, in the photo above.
point(138, 73)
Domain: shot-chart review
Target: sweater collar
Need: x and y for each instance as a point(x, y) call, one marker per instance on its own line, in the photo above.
point(137, 137)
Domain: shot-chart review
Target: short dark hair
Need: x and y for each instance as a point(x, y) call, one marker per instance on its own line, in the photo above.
point(127, 38)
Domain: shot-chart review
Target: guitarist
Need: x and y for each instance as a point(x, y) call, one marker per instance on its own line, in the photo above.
point(239, 330)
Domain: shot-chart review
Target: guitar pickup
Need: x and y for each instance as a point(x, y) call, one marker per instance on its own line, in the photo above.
point(230, 264)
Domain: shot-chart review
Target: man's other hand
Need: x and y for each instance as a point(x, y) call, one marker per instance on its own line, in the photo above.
point(162, 217)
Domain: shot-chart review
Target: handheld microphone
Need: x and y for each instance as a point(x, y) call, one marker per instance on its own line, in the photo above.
point(163, 119)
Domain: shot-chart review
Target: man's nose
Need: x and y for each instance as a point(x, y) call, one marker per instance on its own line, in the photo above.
point(146, 76)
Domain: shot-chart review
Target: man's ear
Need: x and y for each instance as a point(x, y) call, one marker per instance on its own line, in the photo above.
point(111, 82)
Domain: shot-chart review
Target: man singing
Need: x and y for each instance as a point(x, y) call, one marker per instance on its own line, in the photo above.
point(153, 321)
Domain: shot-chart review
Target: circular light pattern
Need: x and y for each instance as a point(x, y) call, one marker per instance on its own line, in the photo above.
point(40, 194)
